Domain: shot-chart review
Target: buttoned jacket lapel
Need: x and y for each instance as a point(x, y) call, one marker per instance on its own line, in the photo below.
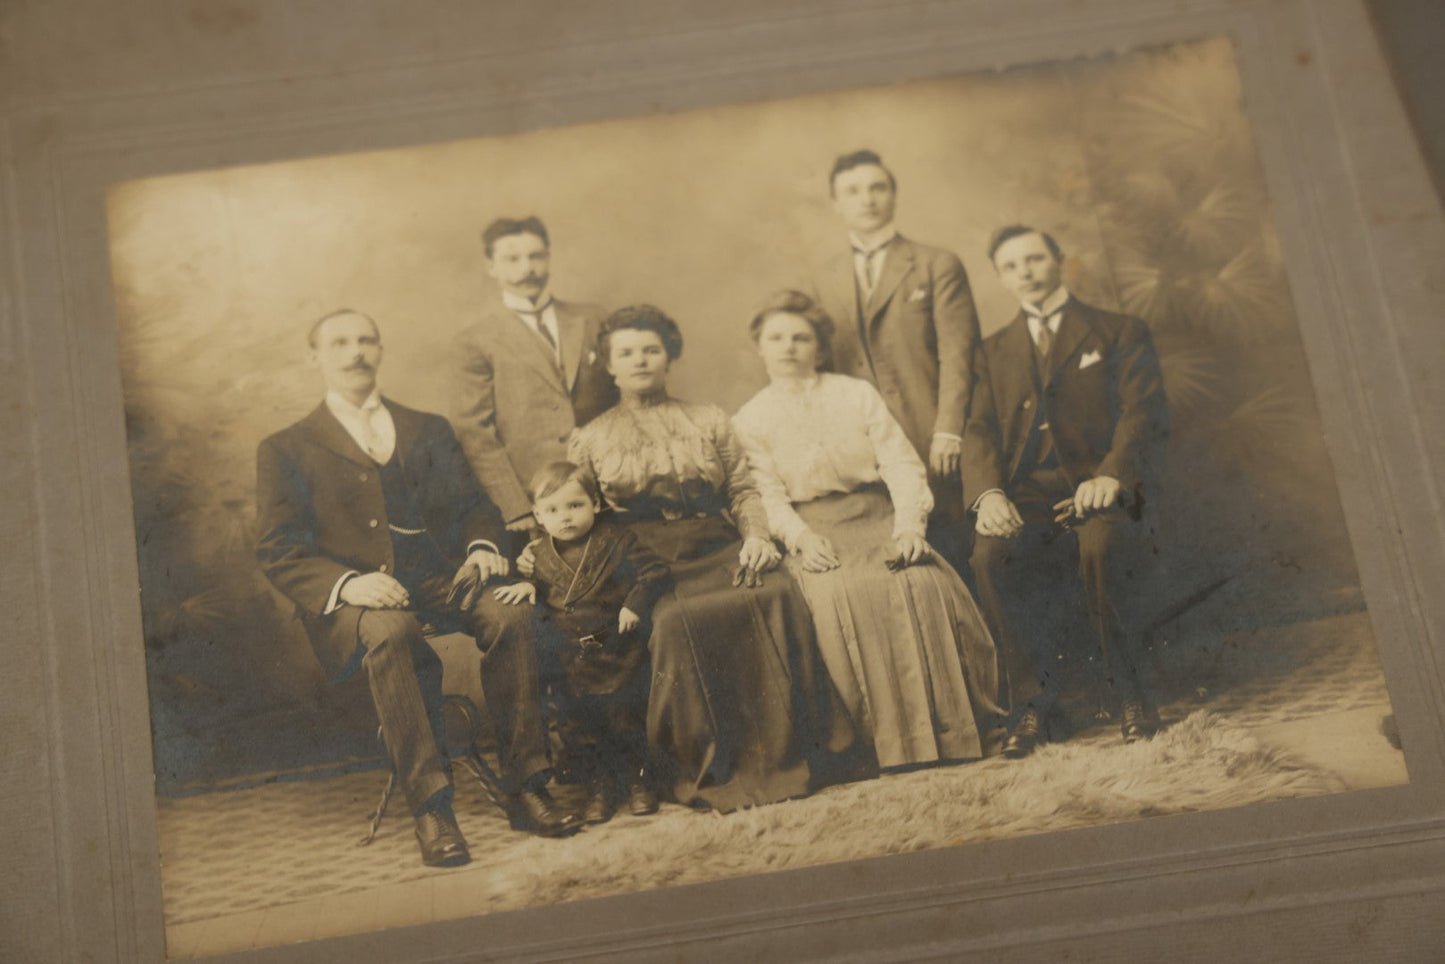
point(570, 325)
point(1074, 328)
point(1014, 361)
point(897, 263)
point(513, 336)
point(595, 565)
point(327, 431)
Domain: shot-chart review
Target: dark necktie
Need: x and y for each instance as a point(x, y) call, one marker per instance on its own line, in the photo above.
point(871, 260)
point(536, 316)
point(1045, 340)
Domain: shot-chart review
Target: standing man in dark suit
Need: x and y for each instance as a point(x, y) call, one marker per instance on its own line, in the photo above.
point(906, 323)
point(373, 525)
point(1063, 447)
point(527, 372)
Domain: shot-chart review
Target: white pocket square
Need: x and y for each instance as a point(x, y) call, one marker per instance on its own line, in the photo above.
point(918, 294)
point(1090, 358)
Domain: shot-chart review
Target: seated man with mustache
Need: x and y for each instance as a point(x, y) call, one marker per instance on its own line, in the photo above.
point(373, 525)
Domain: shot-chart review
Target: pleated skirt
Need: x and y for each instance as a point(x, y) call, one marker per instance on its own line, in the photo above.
point(908, 651)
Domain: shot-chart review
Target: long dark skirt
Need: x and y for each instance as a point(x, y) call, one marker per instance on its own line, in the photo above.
point(742, 711)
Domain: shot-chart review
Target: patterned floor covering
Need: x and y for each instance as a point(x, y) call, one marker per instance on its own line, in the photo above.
point(227, 853)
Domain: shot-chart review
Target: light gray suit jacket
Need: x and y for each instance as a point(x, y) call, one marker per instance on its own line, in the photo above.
point(512, 407)
point(916, 339)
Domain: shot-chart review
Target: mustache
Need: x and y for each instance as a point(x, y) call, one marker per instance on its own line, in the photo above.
point(360, 366)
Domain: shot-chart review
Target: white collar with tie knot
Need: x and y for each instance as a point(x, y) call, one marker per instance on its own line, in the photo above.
point(1047, 312)
point(868, 256)
point(540, 316)
point(369, 424)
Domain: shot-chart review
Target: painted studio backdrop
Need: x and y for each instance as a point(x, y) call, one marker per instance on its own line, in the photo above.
point(1142, 166)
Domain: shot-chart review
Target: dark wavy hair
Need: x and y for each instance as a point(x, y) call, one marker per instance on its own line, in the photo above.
point(1009, 232)
point(846, 162)
point(790, 302)
point(506, 227)
point(641, 318)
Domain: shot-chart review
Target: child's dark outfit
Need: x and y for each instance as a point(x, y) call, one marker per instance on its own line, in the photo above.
point(599, 677)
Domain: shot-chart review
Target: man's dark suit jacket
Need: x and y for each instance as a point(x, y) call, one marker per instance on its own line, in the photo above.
point(322, 513)
point(921, 335)
point(618, 571)
point(512, 408)
point(1101, 394)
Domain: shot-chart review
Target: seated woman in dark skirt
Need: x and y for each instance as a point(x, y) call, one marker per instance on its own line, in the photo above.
point(742, 711)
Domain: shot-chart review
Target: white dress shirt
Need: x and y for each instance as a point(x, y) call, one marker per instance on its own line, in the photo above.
point(369, 424)
point(868, 256)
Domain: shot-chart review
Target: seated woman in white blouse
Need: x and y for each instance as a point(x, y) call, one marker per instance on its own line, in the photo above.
point(848, 495)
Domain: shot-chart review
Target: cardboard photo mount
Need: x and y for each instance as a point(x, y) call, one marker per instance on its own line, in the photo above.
point(1358, 875)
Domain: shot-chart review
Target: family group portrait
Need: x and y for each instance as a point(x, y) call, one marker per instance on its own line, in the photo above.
point(584, 511)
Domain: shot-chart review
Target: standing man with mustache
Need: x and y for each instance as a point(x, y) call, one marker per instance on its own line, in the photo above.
point(373, 525)
point(527, 371)
point(905, 323)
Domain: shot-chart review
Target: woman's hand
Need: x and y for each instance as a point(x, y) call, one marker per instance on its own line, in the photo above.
point(816, 553)
point(756, 557)
point(759, 555)
point(627, 621)
point(909, 549)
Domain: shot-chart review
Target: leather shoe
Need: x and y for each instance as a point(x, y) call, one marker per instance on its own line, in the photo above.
point(1024, 737)
point(599, 805)
point(641, 799)
point(1136, 722)
point(441, 840)
point(540, 814)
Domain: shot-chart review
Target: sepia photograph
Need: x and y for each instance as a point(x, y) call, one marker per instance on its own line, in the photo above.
point(607, 508)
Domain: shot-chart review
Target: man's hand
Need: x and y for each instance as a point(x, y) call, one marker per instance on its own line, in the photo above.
point(526, 523)
point(908, 549)
point(627, 621)
point(375, 590)
point(943, 456)
point(517, 592)
point(997, 516)
point(489, 564)
point(816, 553)
point(481, 565)
point(1093, 495)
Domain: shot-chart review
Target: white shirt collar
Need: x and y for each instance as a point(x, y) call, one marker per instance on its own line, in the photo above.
point(343, 409)
point(1050, 306)
point(526, 305)
point(874, 241)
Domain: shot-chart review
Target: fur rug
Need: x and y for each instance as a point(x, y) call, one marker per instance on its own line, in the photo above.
point(228, 852)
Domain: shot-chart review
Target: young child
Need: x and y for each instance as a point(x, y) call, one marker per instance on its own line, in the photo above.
point(594, 586)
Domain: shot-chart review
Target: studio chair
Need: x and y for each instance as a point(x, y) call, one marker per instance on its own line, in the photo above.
point(468, 737)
